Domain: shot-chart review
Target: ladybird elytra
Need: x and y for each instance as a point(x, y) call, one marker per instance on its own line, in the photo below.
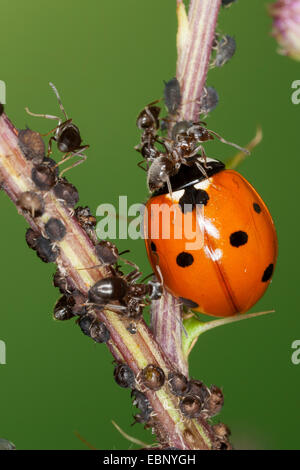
point(225, 262)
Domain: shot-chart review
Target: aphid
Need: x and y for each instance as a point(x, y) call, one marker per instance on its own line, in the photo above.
point(87, 222)
point(172, 95)
point(124, 376)
point(32, 145)
point(66, 135)
point(98, 332)
point(94, 328)
point(141, 401)
point(31, 202)
point(55, 229)
point(190, 407)
point(198, 389)
point(132, 328)
point(43, 176)
point(66, 192)
point(107, 252)
point(152, 377)
point(209, 100)
point(1, 109)
point(63, 309)
point(214, 402)
point(221, 431)
point(226, 48)
point(178, 383)
point(224, 265)
point(63, 283)
point(45, 250)
point(32, 237)
point(227, 3)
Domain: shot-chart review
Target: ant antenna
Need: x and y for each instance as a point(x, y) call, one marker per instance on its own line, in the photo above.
point(59, 100)
point(221, 139)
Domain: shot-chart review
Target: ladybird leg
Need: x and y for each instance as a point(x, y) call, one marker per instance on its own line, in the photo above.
point(232, 144)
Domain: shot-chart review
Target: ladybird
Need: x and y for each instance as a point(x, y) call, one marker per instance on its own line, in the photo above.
point(216, 247)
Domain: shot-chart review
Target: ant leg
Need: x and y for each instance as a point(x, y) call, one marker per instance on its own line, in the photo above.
point(50, 145)
point(221, 139)
point(200, 167)
point(75, 154)
point(133, 276)
point(59, 100)
point(170, 188)
point(141, 167)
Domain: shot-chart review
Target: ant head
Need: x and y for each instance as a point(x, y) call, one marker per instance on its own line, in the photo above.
point(68, 139)
point(148, 118)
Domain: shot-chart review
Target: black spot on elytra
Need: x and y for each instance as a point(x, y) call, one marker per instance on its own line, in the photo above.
point(238, 238)
point(268, 273)
point(191, 197)
point(153, 247)
point(184, 259)
point(188, 303)
point(257, 207)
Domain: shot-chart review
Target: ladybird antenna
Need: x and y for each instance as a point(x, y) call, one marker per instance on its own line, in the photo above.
point(58, 99)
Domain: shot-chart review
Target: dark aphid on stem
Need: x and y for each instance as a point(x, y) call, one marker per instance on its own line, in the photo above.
point(226, 48)
point(124, 376)
point(214, 403)
point(221, 431)
point(152, 377)
point(45, 250)
point(66, 192)
point(209, 100)
point(172, 95)
point(141, 401)
point(32, 145)
point(55, 229)
point(63, 309)
point(132, 328)
point(43, 176)
point(31, 202)
point(107, 252)
point(1, 109)
point(227, 3)
point(198, 389)
point(178, 383)
point(62, 283)
point(66, 135)
point(190, 406)
point(85, 322)
point(99, 333)
point(32, 237)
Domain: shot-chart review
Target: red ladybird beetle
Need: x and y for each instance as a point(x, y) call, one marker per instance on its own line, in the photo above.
point(212, 242)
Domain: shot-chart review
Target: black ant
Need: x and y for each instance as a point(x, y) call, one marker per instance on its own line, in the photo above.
point(124, 289)
point(66, 134)
point(182, 149)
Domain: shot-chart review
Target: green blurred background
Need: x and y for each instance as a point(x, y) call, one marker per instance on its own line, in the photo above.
point(109, 59)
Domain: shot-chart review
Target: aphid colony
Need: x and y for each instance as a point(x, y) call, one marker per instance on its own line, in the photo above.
point(194, 398)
